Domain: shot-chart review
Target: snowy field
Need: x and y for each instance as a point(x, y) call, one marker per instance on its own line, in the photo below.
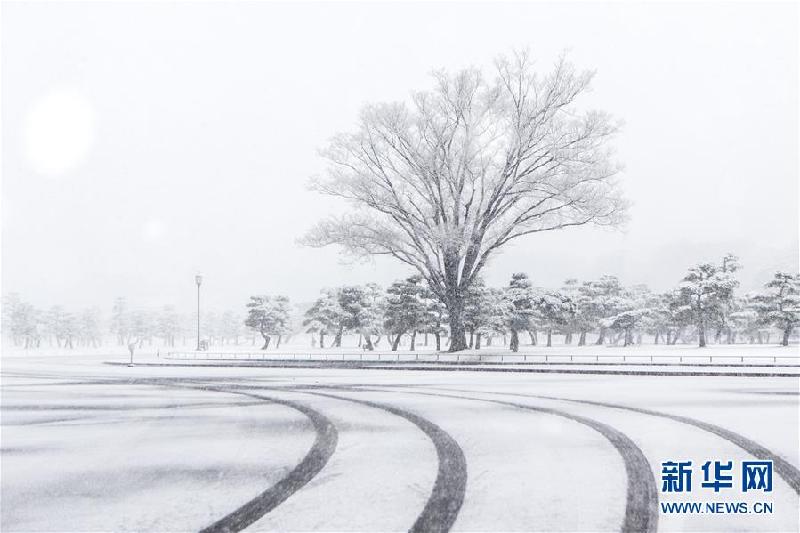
point(90, 446)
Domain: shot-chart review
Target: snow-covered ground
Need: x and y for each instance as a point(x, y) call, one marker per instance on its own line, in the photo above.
point(88, 446)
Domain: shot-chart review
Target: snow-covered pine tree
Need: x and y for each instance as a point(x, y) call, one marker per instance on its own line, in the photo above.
point(705, 294)
point(779, 306)
point(405, 310)
point(268, 315)
point(521, 296)
point(555, 310)
point(325, 316)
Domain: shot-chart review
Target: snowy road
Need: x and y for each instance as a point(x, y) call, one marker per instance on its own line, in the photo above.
point(90, 447)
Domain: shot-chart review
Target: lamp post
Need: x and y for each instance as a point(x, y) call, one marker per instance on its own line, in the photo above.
point(198, 279)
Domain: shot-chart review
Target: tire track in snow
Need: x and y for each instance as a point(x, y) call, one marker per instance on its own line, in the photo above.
point(782, 467)
point(641, 502)
point(447, 494)
point(316, 458)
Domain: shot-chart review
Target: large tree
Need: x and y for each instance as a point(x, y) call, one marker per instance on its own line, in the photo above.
point(443, 182)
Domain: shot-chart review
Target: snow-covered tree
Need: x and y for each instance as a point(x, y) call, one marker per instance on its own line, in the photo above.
point(722, 322)
point(168, 325)
point(143, 326)
point(230, 326)
point(325, 316)
point(747, 320)
point(597, 301)
point(554, 310)
point(635, 307)
point(434, 317)
point(520, 314)
point(121, 321)
point(22, 321)
point(705, 293)
point(362, 310)
point(88, 327)
point(779, 306)
point(62, 326)
point(493, 319)
point(485, 313)
point(444, 183)
point(268, 315)
point(405, 308)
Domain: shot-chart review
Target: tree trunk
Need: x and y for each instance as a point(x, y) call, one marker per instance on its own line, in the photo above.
point(514, 345)
point(655, 341)
point(568, 338)
point(701, 334)
point(278, 342)
point(396, 342)
point(602, 337)
point(368, 342)
point(582, 338)
point(786, 333)
point(549, 337)
point(267, 338)
point(532, 335)
point(478, 341)
point(413, 344)
point(455, 312)
point(425, 339)
point(438, 341)
point(337, 340)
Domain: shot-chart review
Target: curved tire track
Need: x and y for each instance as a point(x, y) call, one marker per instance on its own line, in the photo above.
point(447, 494)
point(784, 468)
point(316, 458)
point(641, 508)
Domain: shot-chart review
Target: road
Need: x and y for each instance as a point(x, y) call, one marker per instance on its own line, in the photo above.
point(88, 446)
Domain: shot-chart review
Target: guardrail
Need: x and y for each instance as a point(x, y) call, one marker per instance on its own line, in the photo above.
point(411, 357)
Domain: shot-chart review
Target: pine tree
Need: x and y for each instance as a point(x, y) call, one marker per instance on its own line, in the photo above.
point(779, 306)
point(268, 315)
point(555, 311)
point(520, 295)
point(705, 294)
point(405, 309)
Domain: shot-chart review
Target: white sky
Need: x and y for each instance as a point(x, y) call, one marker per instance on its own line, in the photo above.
point(144, 141)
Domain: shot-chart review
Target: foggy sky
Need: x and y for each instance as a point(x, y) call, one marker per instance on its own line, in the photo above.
point(144, 142)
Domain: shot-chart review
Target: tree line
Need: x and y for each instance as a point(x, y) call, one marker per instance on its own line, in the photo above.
point(30, 327)
point(704, 307)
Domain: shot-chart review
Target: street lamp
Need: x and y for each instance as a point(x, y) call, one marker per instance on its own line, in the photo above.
point(199, 280)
